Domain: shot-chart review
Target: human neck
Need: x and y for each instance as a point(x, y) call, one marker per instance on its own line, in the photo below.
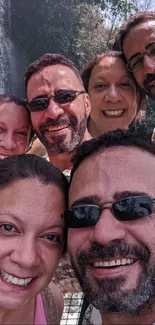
point(22, 316)
point(146, 318)
point(63, 161)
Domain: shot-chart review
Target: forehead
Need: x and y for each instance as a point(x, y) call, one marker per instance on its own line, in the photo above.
point(53, 77)
point(139, 37)
point(110, 66)
point(37, 199)
point(117, 169)
point(11, 114)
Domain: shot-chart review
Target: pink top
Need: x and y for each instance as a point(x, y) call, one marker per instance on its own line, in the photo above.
point(39, 318)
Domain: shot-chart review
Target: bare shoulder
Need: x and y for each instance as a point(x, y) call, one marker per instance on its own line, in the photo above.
point(58, 296)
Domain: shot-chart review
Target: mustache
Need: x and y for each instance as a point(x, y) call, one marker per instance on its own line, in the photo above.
point(114, 249)
point(62, 119)
point(149, 78)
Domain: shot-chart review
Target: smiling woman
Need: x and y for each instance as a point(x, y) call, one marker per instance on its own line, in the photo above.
point(16, 130)
point(115, 97)
point(32, 199)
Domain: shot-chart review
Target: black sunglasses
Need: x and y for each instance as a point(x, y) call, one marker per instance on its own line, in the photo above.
point(62, 96)
point(129, 209)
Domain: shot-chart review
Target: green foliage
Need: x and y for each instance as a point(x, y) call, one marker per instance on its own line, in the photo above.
point(91, 36)
point(79, 29)
point(146, 126)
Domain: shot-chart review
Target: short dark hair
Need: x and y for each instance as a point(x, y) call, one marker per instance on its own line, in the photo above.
point(20, 101)
point(30, 166)
point(25, 166)
point(7, 97)
point(133, 21)
point(87, 70)
point(115, 138)
point(46, 60)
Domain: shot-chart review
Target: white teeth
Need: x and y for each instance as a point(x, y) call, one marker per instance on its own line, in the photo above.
point(55, 128)
point(124, 261)
point(118, 262)
point(9, 278)
point(112, 263)
point(2, 157)
point(113, 112)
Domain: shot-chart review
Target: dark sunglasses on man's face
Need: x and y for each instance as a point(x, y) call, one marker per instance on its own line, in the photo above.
point(129, 209)
point(62, 96)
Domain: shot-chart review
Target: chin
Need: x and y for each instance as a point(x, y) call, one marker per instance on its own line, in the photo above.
point(12, 304)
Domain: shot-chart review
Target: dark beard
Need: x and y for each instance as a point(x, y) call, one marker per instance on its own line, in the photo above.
point(59, 144)
point(106, 294)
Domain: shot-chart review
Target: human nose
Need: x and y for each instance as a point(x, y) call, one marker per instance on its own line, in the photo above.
point(7, 141)
point(108, 229)
point(54, 109)
point(148, 64)
point(112, 94)
point(26, 253)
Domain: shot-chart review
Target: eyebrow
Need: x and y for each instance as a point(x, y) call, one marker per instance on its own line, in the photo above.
point(12, 216)
point(23, 127)
point(125, 194)
point(92, 199)
point(40, 96)
point(96, 200)
point(23, 222)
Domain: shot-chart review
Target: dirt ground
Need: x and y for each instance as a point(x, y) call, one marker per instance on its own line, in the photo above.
point(65, 277)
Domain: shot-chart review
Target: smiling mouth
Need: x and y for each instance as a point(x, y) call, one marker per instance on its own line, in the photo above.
point(113, 113)
point(14, 280)
point(114, 263)
point(57, 128)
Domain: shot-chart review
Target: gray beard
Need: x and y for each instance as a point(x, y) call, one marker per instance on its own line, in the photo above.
point(109, 298)
point(107, 294)
point(61, 146)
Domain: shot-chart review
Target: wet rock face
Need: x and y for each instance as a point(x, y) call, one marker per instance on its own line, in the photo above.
point(65, 277)
point(5, 47)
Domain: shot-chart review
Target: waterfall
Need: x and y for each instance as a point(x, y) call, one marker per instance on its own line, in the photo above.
point(4, 47)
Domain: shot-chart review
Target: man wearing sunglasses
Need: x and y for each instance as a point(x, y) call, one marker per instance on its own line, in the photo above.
point(136, 38)
point(58, 105)
point(111, 221)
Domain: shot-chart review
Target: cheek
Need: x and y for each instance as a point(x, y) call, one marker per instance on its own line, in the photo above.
point(132, 101)
point(22, 147)
point(51, 259)
point(143, 231)
point(95, 98)
point(138, 76)
point(36, 118)
point(77, 240)
point(97, 103)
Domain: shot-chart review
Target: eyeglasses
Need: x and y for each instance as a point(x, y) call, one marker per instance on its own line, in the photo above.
point(129, 209)
point(137, 60)
point(62, 96)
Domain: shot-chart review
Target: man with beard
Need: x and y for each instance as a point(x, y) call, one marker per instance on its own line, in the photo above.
point(58, 105)
point(136, 38)
point(111, 221)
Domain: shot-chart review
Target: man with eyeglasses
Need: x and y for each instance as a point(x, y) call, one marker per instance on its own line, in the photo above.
point(111, 227)
point(136, 38)
point(59, 106)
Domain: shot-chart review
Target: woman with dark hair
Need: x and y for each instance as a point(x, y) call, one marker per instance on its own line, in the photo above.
point(115, 97)
point(16, 132)
point(33, 195)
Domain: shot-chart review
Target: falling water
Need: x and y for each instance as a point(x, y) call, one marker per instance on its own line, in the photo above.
point(4, 47)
